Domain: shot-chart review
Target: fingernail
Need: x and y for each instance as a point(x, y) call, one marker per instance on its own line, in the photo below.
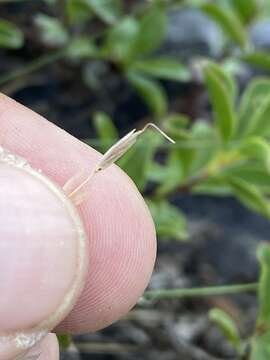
point(42, 252)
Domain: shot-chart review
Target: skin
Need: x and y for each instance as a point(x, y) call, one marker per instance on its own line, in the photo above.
point(120, 231)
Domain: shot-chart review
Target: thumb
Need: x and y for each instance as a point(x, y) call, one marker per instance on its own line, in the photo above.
point(46, 349)
point(42, 256)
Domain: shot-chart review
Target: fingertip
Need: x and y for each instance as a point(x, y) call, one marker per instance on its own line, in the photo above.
point(120, 230)
point(122, 252)
point(46, 349)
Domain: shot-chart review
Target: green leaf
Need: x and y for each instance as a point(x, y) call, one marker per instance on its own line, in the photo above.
point(169, 176)
point(175, 125)
point(195, 147)
point(82, 48)
point(257, 148)
point(152, 30)
point(253, 173)
point(131, 38)
point(215, 185)
point(225, 78)
point(10, 36)
point(197, 2)
point(263, 255)
point(157, 172)
point(251, 100)
point(246, 10)
point(106, 130)
point(186, 155)
point(260, 348)
point(229, 22)
point(249, 195)
point(109, 11)
point(64, 341)
point(260, 344)
point(163, 68)
point(260, 60)
point(233, 67)
point(137, 161)
point(225, 117)
point(266, 8)
point(169, 220)
point(206, 146)
point(151, 92)
point(52, 30)
point(259, 123)
point(120, 41)
point(78, 11)
point(227, 325)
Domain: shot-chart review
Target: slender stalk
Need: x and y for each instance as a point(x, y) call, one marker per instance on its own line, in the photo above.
point(41, 62)
point(32, 66)
point(171, 294)
point(106, 348)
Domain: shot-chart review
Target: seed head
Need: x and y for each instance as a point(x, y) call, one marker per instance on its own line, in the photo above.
point(110, 157)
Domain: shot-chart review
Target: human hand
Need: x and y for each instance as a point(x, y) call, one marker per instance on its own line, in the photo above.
point(120, 234)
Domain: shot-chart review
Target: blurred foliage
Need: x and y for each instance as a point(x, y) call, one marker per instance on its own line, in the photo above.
point(228, 156)
point(129, 37)
point(10, 36)
point(228, 327)
point(256, 347)
point(64, 341)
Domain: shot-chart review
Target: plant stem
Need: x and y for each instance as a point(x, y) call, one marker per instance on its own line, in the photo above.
point(32, 66)
point(171, 294)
